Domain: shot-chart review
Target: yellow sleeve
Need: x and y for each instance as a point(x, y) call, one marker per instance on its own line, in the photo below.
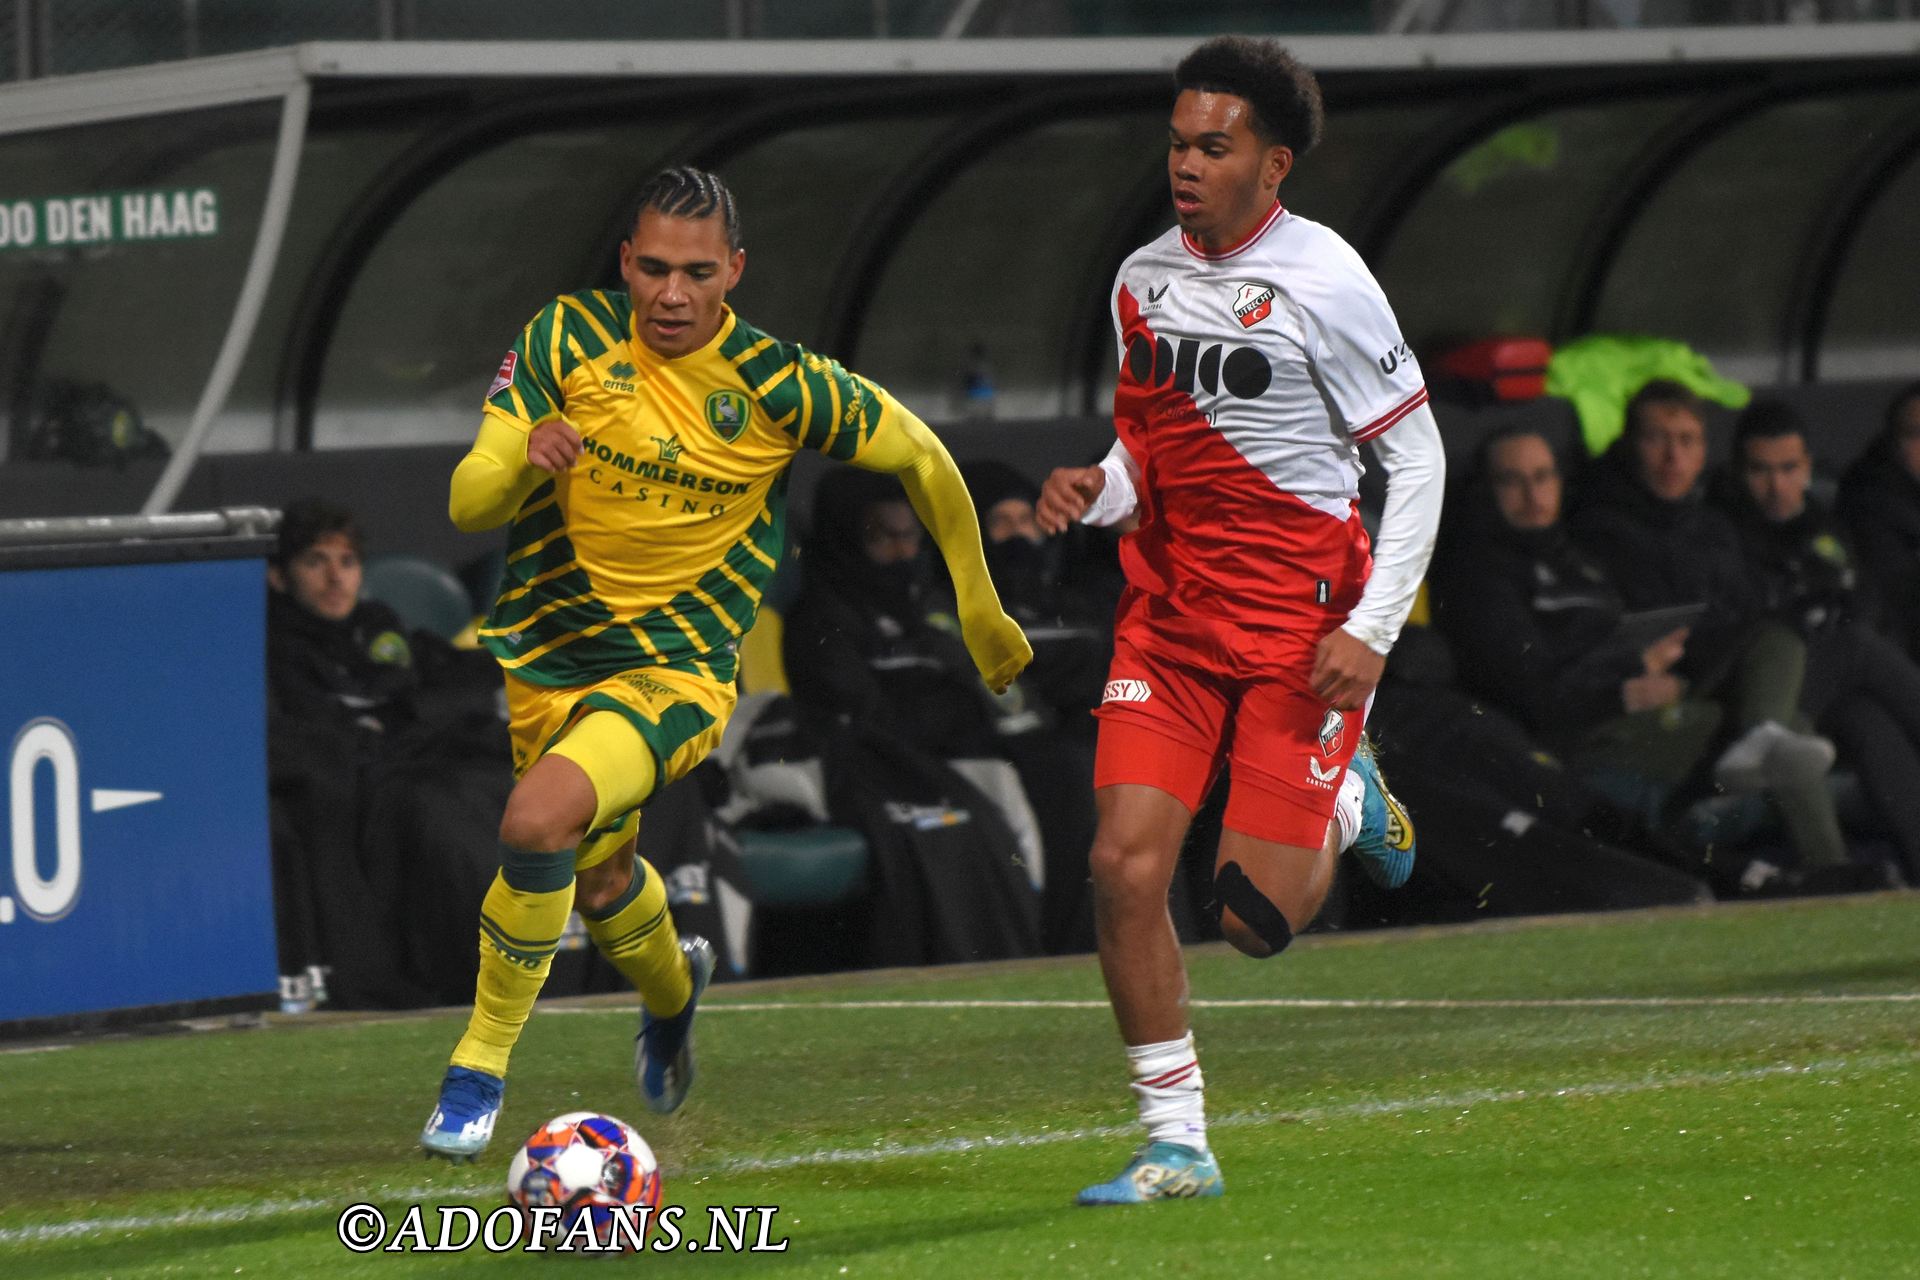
point(906, 447)
point(493, 479)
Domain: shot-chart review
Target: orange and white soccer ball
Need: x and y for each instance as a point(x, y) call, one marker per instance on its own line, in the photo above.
point(585, 1163)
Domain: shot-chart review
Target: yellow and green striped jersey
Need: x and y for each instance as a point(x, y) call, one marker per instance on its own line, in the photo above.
point(653, 549)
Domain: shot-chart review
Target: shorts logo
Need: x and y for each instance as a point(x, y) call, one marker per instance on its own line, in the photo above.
point(727, 414)
point(1322, 776)
point(1253, 304)
point(504, 379)
point(1332, 730)
point(1127, 691)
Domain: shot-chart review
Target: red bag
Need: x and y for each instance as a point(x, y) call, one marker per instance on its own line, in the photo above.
point(1508, 368)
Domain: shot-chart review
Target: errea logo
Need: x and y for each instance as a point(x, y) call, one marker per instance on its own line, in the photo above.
point(619, 377)
point(1127, 691)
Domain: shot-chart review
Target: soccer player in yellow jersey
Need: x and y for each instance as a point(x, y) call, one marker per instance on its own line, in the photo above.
point(636, 445)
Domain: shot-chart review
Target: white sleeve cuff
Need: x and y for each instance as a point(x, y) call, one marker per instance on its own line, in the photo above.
point(1120, 495)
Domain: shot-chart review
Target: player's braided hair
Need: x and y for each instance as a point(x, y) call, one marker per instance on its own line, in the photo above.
point(1283, 93)
point(686, 192)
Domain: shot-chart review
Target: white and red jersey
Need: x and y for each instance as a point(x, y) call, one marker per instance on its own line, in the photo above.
point(1248, 379)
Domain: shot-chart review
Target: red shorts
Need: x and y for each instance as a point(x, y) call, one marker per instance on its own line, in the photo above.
point(1185, 693)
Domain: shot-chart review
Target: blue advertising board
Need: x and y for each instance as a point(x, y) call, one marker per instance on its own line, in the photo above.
point(133, 704)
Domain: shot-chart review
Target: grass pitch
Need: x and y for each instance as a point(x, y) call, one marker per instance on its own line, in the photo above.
point(1721, 1092)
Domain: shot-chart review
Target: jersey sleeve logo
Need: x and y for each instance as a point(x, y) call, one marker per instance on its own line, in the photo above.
point(1253, 304)
point(504, 379)
point(727, 414)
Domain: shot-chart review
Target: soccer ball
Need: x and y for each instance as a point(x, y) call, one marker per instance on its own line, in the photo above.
point(585, 1163)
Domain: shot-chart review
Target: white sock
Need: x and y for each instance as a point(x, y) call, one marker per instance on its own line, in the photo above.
point(1346, 809)
point(1167, 1084)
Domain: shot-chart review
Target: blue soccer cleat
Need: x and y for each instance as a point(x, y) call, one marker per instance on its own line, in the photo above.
point(1385, 843)
point(462, 1121)
point(1159, 1171)
point(663, 1051)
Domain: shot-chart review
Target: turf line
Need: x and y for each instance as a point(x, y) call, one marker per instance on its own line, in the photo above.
point(1287, 1002)
point(268, 1209)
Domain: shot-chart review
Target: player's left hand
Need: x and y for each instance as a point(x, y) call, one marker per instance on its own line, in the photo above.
point(999, 648)
point(1345, 670)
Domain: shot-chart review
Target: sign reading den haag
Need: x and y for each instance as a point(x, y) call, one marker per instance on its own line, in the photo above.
point(117, 217)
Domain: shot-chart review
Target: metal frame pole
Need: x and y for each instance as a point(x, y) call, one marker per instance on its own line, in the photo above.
point(253, 292)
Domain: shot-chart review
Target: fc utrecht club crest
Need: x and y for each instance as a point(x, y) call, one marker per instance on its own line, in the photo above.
point(1252, 304)
point(504, 379)
point(727, 414)
point(1332, 730)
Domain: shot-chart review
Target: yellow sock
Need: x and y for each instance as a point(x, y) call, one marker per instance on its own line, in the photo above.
point(521, 921)
point(636, 933)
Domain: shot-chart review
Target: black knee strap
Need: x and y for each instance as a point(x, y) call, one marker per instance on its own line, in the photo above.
point(1239, 895)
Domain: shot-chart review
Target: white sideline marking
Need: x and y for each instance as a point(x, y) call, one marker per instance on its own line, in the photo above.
point(267, 1209)
point(1286, 1002)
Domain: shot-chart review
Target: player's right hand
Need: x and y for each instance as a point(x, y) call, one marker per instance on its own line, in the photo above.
point(1066, 495)
point(553, 445)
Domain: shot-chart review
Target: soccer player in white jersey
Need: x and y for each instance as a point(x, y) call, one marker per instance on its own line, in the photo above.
point(1256, 353)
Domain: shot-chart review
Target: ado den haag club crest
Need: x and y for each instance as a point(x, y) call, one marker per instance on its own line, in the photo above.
point(727, 414)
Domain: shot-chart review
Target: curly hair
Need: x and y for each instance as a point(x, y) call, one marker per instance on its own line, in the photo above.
point(1282, 91)
point(687, 192)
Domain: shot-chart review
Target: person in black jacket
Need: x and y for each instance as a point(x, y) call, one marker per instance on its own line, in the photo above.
point(334, 660)
point(864, 641)
point(1535, 622)
point(1048, 727)
point(340, 680)
point(1644, 517)
point(1880, 502)
point(1860, 687)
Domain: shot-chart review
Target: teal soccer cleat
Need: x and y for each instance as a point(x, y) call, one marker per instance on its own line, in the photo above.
point(663, 1051)
point(462, 1121)
point(1159, 1171)
point(1385, 843)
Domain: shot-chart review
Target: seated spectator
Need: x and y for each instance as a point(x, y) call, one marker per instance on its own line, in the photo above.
point(875, 660)
point(333, 659)
point(1071, 629)
point(1644, 518)
point(864, 641)
point(1068, 621)
point(1860, 688)
point(1880, 502)
point(1535, 623)
point(370, 728)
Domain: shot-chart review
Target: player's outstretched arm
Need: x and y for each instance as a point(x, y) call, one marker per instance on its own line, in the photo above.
point(503, 467)
point(906, 447)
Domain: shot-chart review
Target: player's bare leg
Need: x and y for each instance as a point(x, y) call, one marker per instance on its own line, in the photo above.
point(1268, 891)
point(1134, 854)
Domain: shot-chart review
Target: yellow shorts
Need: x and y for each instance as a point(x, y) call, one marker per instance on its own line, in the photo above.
point(675, 717)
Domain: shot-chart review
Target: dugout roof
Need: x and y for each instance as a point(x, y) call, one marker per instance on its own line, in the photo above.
point(329, 246)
